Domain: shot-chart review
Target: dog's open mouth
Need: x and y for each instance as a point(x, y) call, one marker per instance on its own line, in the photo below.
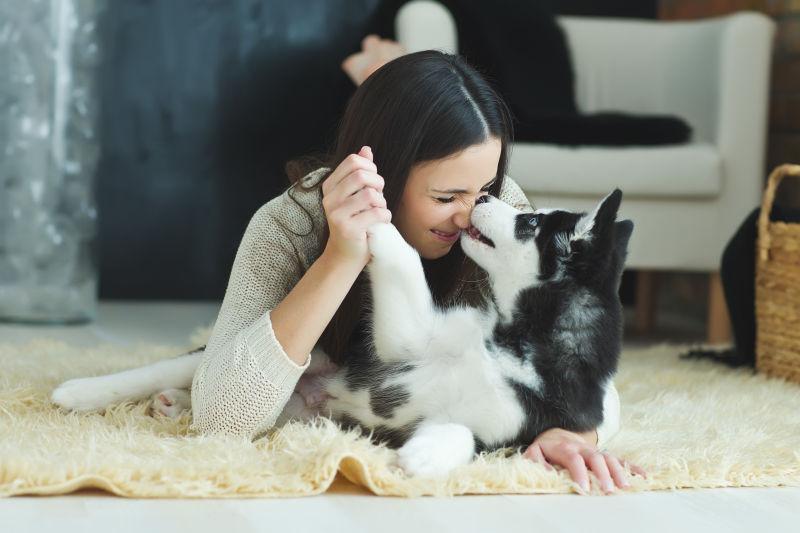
point(473, 232)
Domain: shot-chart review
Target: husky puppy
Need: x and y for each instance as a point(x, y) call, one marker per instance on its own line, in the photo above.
point(442, 384)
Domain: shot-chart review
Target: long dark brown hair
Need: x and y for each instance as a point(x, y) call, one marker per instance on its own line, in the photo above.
point(419, 107)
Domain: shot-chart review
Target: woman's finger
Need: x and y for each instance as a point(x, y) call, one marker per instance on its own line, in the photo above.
point(363, 200)
point(576, 465)
point(350, 164)
point(597, 462)
point(534, 453)
point(617, 471)
point(371, 216)
point(357, 181)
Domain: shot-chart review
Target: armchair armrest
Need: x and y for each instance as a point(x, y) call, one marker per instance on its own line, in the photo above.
point(426, 25)
point(742, 109)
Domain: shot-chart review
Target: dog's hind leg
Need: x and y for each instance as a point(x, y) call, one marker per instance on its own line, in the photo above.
point(87, 394)
point(403, 311)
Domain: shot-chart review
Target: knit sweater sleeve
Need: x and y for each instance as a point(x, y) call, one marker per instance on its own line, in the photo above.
point(246, 377)
point(513, 195)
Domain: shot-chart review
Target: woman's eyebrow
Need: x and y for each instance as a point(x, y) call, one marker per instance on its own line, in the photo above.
point(454, 191)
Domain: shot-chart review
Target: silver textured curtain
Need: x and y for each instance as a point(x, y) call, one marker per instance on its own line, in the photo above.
point(49, 53)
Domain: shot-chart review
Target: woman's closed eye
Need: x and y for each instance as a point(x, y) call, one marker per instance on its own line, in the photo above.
point(451, 198)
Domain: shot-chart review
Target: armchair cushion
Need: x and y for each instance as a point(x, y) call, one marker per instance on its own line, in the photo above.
point(691, 170)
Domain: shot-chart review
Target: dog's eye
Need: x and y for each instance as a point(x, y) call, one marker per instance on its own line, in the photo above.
point(533, 221)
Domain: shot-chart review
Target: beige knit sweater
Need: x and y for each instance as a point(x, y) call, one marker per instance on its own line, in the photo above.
point(246, 378)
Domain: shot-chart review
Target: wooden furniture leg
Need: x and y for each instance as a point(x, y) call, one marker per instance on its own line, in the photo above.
point(646, 300)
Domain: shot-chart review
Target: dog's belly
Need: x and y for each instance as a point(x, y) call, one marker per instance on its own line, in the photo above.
point(468, 389)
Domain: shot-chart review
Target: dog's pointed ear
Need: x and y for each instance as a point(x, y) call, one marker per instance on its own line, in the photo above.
point(622, 235)
point(606, 212)
point(601, 219)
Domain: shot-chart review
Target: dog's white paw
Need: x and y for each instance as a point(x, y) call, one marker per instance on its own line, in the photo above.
point(171, 402)
point(86, 394)
point(387, 246)
point(435, 450)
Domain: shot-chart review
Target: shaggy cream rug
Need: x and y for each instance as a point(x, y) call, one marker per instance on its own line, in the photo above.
point(687, 423)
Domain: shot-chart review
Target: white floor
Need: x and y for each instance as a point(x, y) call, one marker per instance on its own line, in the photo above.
point(353, 509)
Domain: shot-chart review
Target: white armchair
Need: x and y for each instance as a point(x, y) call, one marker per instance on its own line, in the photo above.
point(685, 200)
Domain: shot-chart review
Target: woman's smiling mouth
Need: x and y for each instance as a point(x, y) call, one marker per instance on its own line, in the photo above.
point(446, 237)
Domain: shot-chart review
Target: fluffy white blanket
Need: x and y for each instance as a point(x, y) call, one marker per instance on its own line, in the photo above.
point(688, 423)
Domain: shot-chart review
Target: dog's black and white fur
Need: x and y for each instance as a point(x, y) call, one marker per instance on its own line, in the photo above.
point(440, 385)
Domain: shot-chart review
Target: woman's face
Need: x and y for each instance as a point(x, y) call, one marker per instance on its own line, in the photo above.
point(439, 197)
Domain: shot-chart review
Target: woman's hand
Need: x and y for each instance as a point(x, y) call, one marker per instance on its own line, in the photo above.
point(573, 452)
point(352, 198)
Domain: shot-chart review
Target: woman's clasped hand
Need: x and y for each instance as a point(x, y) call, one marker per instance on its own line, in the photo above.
point(352, 197)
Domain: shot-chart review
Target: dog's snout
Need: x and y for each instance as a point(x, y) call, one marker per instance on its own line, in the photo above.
point(482, 199)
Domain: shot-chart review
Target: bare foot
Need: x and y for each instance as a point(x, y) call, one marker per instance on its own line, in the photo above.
point(375, 52)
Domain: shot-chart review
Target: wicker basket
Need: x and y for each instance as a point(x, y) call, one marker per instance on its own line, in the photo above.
point(778, 288)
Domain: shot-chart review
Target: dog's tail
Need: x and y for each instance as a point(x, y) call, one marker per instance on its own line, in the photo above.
point(89, 394)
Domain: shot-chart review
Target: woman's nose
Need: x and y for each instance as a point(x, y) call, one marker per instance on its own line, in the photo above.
point(461, 218)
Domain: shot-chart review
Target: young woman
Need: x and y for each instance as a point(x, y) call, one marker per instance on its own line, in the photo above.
point(420, 140)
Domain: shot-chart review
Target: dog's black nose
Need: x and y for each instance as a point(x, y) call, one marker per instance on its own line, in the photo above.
point(482, 199)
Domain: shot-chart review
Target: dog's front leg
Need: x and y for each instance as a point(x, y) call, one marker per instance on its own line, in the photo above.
point(403, 310)
point(435, 449)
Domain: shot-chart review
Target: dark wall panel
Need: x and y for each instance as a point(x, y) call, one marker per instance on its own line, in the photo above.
point(203, 102)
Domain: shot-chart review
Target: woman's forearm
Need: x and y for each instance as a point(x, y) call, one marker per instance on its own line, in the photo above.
point(300, 318)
